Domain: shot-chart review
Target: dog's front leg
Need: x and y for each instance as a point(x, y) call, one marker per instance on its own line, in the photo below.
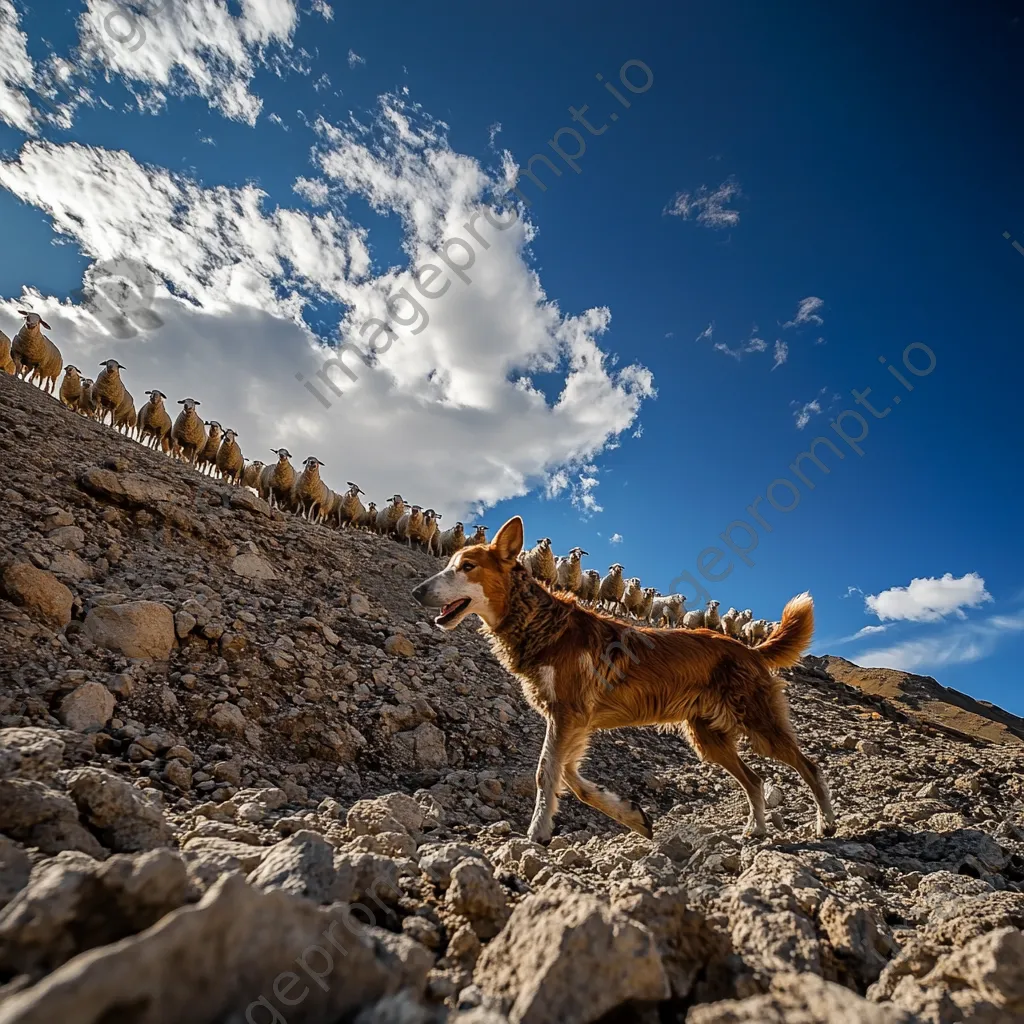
point(548, 774)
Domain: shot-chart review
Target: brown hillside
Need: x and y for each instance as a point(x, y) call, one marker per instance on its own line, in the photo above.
point(928, 701)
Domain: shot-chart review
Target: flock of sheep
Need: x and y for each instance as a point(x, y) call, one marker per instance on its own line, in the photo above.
point(33, 357)
point(625, 596)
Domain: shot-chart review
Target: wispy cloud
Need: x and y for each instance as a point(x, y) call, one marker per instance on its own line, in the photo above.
point(707, 334)
point(354, 59)
point(707, 205)
point(929, 599)
point(961, 645)
point(802, 413)
point(781, 354)
point(850, 591)
point(860, 634)
point(615, 538)
point(807, 312)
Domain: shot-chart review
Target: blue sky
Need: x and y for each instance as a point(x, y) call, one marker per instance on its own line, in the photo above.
point(283, 169)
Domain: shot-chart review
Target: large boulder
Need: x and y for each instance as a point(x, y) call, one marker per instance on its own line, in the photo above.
point(87, 708)
point(569, 957)
point(238, 954)
point(136, 629)
point(117, 811)
point(41, 593)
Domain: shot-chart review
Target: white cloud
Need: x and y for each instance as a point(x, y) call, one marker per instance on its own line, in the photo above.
point(447, 415)
point(615, 538)
point(781, 354)
point(929, 599)
point(807, 313)
point(860, 634)
point(314, 190)
point(850, 591)
point(354, 59)
point(803, 413)
point(707, 204)
point(189, 48)
point(324, 9)
point(961, 645)
point(707, 334)
point(17, 72)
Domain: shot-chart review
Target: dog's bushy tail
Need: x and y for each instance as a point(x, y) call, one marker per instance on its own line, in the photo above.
point(787, 644)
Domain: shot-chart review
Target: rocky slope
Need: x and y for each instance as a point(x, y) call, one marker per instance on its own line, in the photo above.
point(243, 778)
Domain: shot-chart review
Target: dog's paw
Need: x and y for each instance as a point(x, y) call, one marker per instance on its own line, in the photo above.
point(646, 827)
point(826, 829)
point(539, 835)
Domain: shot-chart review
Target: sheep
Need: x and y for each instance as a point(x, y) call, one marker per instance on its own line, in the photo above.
point(647, 606)
point(188, 435)
point(154, 422)
point(670, 608)
point(612, 587)
point(6, 359)
point(569, 572)
point(408, 523)
point(251, 475)
point(429, 533)
point(451, 540)
point(632, 596)
point(712, 620)
point(229, 458)
point(731, 624)
point(590, 586)
point(540, 561)
point(125, 417)
point(754, 631)
point(276, 481)
point(34, 355)
point(742, 618)
point(70, 386)
point(368, 521)
point(387, 518)
point(348, 509)
point(694, 619)
point(85, 406)
point(108, 391)
point(206, 458)
point(309, 493)
point(479, 537)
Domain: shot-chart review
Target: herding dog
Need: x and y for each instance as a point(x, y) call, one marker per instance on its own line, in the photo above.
point(571, 663)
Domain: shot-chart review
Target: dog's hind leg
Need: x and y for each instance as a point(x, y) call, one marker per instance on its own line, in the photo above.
point(784, 747)
point(720, 748)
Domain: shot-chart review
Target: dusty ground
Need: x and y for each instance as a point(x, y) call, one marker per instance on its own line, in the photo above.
point(222, 728)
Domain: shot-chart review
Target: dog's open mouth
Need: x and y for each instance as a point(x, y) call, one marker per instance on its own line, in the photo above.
point(452, 610)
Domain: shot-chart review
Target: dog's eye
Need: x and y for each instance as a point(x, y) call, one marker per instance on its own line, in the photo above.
point(466, 566)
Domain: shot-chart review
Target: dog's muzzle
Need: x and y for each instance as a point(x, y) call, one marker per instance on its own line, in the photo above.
point(425, 595)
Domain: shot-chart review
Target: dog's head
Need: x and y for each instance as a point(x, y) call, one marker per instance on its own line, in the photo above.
point(475, 581)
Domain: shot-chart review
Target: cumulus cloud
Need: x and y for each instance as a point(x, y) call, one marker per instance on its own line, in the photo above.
point(707, 205)
point(615, 538)
point(929, 599)
point(253, 295)
point(961, 645)
point(807, 313)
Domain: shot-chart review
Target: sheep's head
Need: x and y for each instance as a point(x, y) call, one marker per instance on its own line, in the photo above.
point(87, 382)
point(69, 370)
point(229, 436)
point(33, 320)
point(354, 489)
point(371, 507)
point(257, 465)
point(215, 428)
point(649, 592)
point(113, 367)
point(283, 455)
point(712, 606)
point(189, 403)
point(312, 463)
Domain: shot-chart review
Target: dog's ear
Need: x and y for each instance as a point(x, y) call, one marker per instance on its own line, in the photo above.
point(508, 541)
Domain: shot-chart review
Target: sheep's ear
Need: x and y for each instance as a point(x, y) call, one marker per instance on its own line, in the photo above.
point(46, 325)
point(181, 401)
point(508, 541)
point(22, 312)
